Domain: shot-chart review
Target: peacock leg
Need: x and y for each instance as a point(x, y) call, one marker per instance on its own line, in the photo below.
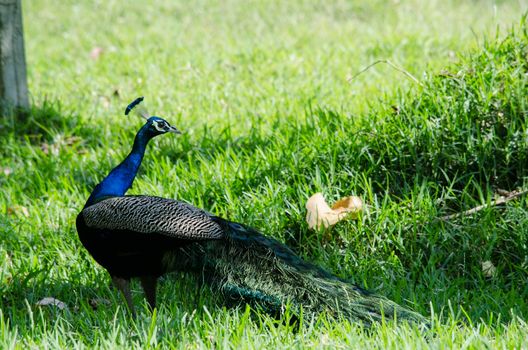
point(124, 286)
point(149, 287)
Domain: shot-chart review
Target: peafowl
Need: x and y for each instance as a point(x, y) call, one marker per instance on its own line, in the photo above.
point(145, 237)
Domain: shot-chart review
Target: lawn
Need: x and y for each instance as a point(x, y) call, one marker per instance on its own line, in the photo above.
point(273, 110)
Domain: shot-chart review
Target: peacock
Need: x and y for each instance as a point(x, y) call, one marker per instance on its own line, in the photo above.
point(146, 236)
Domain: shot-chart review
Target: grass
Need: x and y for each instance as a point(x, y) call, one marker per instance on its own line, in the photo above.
point(271, 114)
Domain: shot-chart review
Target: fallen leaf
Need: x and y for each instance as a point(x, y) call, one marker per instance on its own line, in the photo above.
point(53, 302)
point(105, 101)
point(6, 171)
point(352, 205)
point(45, 148)
point(18, 210)
point(319, 214)
point(488, 268)
point(96, 52)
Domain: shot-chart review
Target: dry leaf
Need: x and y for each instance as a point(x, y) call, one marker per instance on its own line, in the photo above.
point(45, 148)
point(488, 268)
point(352, 205)
point(105, 101)
point(6, 171)
point(52, 301)
point(18, 210)
point(320, 214)
point(96, 52)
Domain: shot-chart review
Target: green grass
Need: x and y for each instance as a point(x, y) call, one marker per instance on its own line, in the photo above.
point(264, 94)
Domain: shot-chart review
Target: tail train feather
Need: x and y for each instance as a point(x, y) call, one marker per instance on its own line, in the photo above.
point(261, 270)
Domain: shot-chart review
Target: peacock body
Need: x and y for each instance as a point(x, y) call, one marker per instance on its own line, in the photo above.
point(145, 237)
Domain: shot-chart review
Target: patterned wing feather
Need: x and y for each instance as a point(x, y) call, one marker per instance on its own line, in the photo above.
point(147, 214)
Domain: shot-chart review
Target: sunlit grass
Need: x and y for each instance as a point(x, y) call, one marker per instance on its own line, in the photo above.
point(270, 114)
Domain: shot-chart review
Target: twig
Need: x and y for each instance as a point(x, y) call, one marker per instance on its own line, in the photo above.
point(399, 69)
point(502, 200)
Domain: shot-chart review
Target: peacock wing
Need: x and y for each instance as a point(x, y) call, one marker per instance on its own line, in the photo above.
point(147, 214)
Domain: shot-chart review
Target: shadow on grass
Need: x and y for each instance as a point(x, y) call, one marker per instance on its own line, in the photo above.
point(49, 140)
point(41, 123)
point(395, 152)
point(98, 307)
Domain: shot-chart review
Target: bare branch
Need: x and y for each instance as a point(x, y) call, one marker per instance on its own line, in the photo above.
point(399, 69)
point(510, 196)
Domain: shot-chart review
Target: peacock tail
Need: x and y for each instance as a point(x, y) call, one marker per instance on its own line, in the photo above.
point(253, 268)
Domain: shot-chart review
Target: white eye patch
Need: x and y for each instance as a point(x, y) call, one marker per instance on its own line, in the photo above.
point(160, 126)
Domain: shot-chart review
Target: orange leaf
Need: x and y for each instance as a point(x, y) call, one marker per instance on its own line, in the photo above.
point(18, 210)
point(319, 214)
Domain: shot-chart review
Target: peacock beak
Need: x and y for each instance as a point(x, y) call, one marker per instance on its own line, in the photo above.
point(174, 130)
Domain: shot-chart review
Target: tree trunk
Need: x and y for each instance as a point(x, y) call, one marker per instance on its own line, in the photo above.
point(13, 84)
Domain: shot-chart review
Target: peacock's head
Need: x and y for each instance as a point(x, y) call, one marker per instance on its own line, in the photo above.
point(155, 125)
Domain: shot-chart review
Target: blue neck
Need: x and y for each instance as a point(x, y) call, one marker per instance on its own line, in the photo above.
point(121, 177)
